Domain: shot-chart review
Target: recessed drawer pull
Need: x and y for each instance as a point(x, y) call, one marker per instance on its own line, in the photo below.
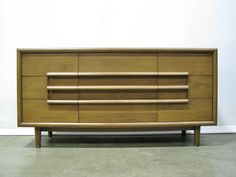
point(152, 101)
point(126, 87)
point(117, 73)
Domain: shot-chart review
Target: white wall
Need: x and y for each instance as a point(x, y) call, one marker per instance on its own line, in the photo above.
point(118, 23)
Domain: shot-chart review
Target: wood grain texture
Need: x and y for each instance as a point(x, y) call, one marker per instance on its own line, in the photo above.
point(86, 74)
point(199, 87)
point(115, 50)
point(62, 80)
point(215, 86)
point(200, 63)
point(119, 101)
point(172, 81)
point(172, 94)
point(195, 110)
point(95, 130)
point(147, 126)
point(117, 94)
point(19, 87)
point(37, 137)
point(38, 64)
point(119, 87)
point(35, 88)
point(118, 80)
point(117, 113)
point(63, 94)
point(197, 135)
point(117, 62)
point(41, 111)
point(194, 63)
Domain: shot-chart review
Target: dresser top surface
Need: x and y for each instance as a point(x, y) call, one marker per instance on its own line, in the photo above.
point(111, 50)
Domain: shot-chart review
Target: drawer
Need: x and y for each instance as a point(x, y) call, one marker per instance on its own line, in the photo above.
point(199, 87)
point(118, 80)
point(36, 88)
point(117, 94)
point(41, 111)
point(194, 110)
point(40, 64)
point(63, 94)
point(117, 62)
point(194, 63)
point(118, 113)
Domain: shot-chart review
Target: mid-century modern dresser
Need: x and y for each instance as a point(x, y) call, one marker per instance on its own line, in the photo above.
point(117, 90)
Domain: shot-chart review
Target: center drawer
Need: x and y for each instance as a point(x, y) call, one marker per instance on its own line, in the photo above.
point(117, 113)
point(117, 62)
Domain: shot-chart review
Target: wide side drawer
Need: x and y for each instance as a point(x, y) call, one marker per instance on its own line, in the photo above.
point(41, 111)
point(117, 62)
point(40, 64)
point(193, 63)
point(194, 110)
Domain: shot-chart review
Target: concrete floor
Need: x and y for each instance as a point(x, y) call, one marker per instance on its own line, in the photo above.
point(82, 156)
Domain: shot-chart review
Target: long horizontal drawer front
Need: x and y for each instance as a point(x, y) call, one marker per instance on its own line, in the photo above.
point(36, 88)
point(117, 62)
point(41, 63)
point(41, 111)
point(193, 63)
point(195, 110)
point(117, 113)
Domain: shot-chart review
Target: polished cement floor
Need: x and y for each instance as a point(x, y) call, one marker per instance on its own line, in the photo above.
point(119, 156)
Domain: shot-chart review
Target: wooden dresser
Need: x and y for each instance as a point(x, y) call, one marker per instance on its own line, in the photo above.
point(116, 90)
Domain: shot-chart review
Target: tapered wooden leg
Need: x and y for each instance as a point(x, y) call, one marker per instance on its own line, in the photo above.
point(37, 137)
point(50, 134)
point(183, 132)
point(197, 136)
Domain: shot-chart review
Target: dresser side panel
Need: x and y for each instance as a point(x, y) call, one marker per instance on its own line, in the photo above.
point(19, 88)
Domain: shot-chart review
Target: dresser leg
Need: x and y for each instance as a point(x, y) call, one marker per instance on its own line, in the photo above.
point(183, 132)
point(37, 137)
point(197, 136)
point(50, 134)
